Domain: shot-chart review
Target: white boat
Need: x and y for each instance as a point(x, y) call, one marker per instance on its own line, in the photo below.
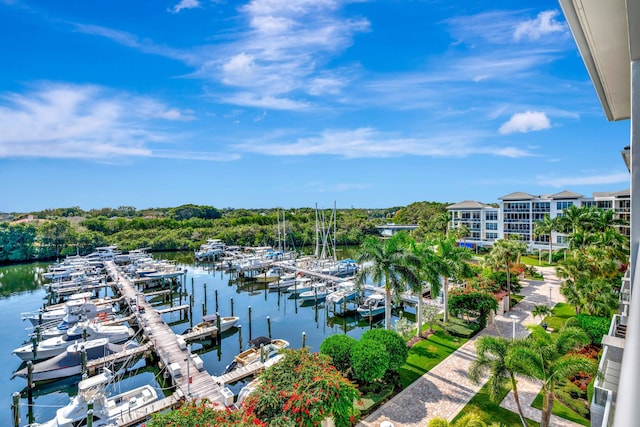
point(212, 249)
point(105, 410)
point(226, 323)
point(263, 350)
point(286, 280)
point(372, 306)
point(345, 291)
point(253, 385)
point(54, 346)
point(317, 293)
point(69, 363)
point(77, 307)
point(302, 284)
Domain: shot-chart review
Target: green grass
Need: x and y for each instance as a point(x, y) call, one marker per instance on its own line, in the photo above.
point(426, 354)
point(529, 260)
point(561, 312)
point(491, 411)
point(371, 400)
point(561, 411)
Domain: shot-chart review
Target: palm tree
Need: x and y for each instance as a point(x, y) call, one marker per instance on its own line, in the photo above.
point(390, 260)
point(469, 420)
point(546, 357)
point(542, 311)
point(492, 357)
point(504, 253)
point(452, 263)
point(428, 272)
point(546, 226)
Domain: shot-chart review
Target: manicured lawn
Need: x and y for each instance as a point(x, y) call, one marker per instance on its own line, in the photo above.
point(528, 260)
point(560, 410)
point(561, 312)
point(426, 354)
point(491, 411)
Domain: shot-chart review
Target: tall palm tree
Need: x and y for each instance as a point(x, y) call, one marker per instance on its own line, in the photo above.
point(505, 253)
point(492, 357)
point(546, 227)
point(391, 261)
point(546, 357)
point(428, 272)
point(452, 263)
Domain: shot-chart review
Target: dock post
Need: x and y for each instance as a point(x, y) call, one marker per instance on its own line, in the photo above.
point(205, 296)
point(262, 357)
point(217, 309)
point(231, 306)
point(83, 356)
point(240, 336)
point(15, 408)
point(249, 323)
point(304, 339)
point(90, 413)
point(191, 310)
point(219, 333)
point(29, 380)
point(192, 279)
point(204, 309)
point(269, 326)
point(34, 345)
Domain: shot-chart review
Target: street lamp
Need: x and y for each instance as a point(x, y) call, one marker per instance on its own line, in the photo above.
point(513, 320)
point(550, 289)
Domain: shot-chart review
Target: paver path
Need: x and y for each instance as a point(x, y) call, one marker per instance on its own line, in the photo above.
point(446, 389)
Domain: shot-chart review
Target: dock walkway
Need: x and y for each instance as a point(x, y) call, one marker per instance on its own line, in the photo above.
point(190, 381)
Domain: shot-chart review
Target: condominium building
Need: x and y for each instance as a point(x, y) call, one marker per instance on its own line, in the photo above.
point(482, 221)
point(519, 212)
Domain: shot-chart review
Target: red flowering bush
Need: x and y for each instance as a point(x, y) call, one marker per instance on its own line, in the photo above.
point(301, 390)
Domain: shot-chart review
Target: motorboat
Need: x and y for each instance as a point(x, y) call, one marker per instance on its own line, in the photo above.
point(69, 363)
point(54, 346)
point(372, 306)
point(263, 349)
point(286, 280)
point(345, 291)
point(317, 293)
point(106, 411)
point(302, 284)
point(78, 307)
point(226, 323)
point(253, 385)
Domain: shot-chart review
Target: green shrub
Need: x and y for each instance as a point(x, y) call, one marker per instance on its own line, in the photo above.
point(395, 345)
point(594, 326)
point(338, 348)
point(369, 360)
point(460, 328)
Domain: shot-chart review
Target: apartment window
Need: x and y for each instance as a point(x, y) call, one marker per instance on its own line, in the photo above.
point(563, 205)
point(491, 216)
point(491, 226)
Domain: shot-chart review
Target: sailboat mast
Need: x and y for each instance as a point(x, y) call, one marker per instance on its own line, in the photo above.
point(335, 220)
point(317, 253)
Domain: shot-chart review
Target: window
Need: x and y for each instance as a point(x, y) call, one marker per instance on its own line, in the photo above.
point(491, 226)
point(491, 216)
point(563, 205)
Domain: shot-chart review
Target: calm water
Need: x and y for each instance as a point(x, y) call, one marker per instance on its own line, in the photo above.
point(21, 291)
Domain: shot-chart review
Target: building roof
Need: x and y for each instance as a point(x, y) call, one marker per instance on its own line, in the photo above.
point(518, 195)
point(468, 204)
point(566, 194)
point(602, 30)
point(617, 194)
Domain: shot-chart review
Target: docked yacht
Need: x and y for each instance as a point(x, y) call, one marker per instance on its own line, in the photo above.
point(263, 349)
point(226, 323)
point(54, 346)
point(78, 307)
point(345, 291)
point(69, 363)
point(318, 293)
point(372, 306)
point(106, 410)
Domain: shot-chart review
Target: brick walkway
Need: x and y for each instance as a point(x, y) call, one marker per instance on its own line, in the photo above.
point(446, 389)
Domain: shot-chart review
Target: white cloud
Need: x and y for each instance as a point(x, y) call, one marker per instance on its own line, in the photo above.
point(614, 178)
point(57, 120)
point(545, 23)
point(370, 143)
point(185, 4)
point(525, 122)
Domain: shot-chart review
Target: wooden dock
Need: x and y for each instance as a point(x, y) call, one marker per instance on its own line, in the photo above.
point(190, 381)
point(135, 417)
point(240, 373)
point(93, 365)
point(201, 333)
point(184, 308)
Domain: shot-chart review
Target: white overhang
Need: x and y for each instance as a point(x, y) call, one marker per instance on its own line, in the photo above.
point(600, 29)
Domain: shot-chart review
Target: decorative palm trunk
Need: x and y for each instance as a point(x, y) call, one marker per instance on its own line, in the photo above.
point(516, 397)
point(387, 309)
point(550, 249)
point(419, 316)
point(547, 407)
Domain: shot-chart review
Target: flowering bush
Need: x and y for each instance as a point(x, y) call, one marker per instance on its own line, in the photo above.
point(301, 390)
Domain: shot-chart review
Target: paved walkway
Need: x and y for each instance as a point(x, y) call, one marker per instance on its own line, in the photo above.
point(446, 389)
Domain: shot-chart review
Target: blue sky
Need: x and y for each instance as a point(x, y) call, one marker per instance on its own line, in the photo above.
point(294, 102)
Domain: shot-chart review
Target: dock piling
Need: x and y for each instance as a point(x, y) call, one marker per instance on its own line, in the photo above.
point(216, 293)
point(219, 333)
point(304, 339)
point(240, 337)
point(269, 326)
point(249, 323)
point(15, 408)
point(205, 297)
point(231, 306)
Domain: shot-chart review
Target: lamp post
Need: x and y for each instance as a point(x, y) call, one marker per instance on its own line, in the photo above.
point(550, 289)
point(513, 321)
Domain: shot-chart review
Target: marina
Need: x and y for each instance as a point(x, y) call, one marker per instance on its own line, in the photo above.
point(194, 362)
